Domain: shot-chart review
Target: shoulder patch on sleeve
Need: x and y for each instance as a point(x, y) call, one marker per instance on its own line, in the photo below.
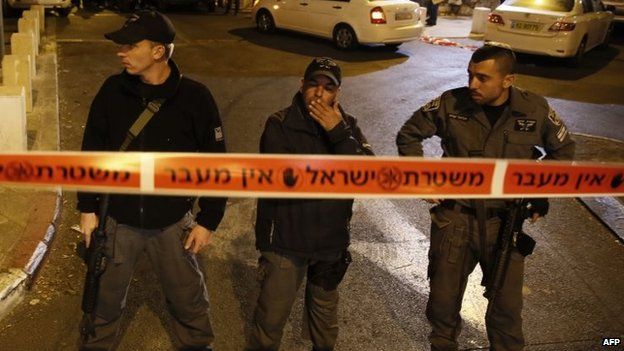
point(562, 131)
point(553, 117)
point(432, 105)
point(218, 134)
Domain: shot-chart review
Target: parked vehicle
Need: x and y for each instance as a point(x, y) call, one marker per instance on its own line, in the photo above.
point(62, 7)
point(560, 28)
point(347, 22)
point(162, 5)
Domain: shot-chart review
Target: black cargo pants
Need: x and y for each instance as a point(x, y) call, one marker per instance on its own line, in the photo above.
point(455, 250)
point(180, 278)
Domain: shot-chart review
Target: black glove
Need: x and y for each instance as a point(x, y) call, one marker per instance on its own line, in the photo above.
point(539, 206)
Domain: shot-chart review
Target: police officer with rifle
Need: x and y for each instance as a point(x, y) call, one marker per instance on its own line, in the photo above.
point(162, 111)
point(494, 119)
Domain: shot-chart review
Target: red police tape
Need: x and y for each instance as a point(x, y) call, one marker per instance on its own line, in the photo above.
point(308, 176)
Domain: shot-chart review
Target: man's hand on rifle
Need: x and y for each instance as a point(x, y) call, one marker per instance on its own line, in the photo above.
point(197, 239)
point(88, 223)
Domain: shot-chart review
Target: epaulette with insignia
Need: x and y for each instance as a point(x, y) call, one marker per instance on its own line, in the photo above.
point(432, 105)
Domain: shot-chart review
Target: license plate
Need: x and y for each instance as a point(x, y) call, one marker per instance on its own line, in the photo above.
point(401, 16)
point(529, 26)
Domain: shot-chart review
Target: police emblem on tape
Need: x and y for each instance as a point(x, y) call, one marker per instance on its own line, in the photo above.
point(218, 134)
point(525, 125)
point(432, 105)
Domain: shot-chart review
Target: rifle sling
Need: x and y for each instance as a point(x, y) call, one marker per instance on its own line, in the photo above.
point(145, 116)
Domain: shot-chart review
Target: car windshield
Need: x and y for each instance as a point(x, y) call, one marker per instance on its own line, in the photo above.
point(549, 5)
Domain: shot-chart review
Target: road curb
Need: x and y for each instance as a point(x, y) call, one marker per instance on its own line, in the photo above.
point(36, 259)
point(15, 281)
point(608, 209)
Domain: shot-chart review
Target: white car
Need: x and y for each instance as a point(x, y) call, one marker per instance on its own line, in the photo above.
point(560, 28)
point(347, 22)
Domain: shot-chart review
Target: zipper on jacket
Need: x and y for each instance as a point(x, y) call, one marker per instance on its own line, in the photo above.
point(505, 141)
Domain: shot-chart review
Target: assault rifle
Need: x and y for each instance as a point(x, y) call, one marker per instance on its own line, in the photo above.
point(96, 263)
point(511, 236)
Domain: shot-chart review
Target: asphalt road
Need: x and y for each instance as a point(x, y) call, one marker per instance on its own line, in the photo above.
point(573, 281)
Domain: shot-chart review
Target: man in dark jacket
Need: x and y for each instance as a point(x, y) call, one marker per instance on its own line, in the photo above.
point(187, 121)
point(305, 236)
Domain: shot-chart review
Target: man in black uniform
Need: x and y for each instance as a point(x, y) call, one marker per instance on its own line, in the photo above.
point(187, 121)
point(489, 118)
point(299, 237)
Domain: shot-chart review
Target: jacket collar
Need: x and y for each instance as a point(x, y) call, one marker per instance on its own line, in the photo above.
point(519, 105)
point(132, 83)
point(298, 117)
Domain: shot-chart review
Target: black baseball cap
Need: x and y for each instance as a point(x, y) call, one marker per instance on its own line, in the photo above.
point(324, 66)
point(144, 25)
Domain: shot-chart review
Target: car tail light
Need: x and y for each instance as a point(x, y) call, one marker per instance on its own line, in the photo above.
point(378, 16)
point(561, 26)
point(496, 19)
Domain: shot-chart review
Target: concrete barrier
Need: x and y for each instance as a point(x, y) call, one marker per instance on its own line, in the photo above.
point(41, 11)
point(23, 44)
point(479, 20)
point(27, 25)
point(13, 135)
point(16, 73)
point(35, 17)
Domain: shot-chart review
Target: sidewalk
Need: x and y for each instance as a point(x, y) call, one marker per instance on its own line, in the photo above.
point(28, 217)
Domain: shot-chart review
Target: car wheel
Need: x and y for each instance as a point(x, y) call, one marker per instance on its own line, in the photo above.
point(344, 38)
point(607, 40)
point(264, 22)
point(393, 46)
point(64, 12)
point(577, 59)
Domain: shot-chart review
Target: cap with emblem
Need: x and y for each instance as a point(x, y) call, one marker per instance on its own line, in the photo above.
point(144, 25)
point(326, 67)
